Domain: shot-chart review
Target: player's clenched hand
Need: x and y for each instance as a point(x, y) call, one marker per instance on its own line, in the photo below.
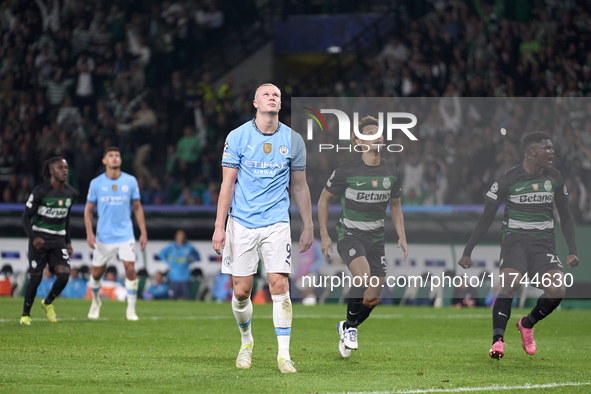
point(143, 241)
point(38, 242)
point(465, 262)
point(218, 241)
point(91, 240)
point(402, 244)
point(306, 239)
point(326, 246)
point(572, 261)
point(70, 249)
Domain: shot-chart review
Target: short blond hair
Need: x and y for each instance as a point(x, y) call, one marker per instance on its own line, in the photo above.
point(263, 85)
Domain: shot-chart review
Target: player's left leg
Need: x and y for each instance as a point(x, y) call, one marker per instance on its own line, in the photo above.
point(127, 255)
point(59, 260)
point(282, 315)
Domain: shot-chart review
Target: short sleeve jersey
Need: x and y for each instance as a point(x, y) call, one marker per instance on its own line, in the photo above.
point(530, 200)
point(365, 193)
point(264, 163)
point(113, 198)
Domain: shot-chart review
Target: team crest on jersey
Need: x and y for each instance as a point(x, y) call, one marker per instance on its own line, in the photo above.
point(374, 183)
point(267, 148)
point(283, 150)
point(114, 187)
point(535, 186)
point(227, 261)
point(387, 183)
point(68, 202)
point(124, 188)
point(60, 203)
point(494, 188)
point(548, 185)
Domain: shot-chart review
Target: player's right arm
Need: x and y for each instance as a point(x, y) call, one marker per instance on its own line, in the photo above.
point(31, 207)
point(90, 238)
point(325, 241)
point(91, 200)
point(494, 197)
point(229, 176)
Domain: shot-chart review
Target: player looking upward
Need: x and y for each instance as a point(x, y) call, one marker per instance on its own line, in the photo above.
point(527, 245)
point(365, 186)
point(113, 192)
point(258, 161)
point(46, 221)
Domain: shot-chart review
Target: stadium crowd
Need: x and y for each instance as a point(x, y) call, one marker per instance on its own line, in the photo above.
point(77, 77)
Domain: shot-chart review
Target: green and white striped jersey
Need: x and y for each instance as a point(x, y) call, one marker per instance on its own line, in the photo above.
point(47, 212)
point(365, 193)
point(529, 200)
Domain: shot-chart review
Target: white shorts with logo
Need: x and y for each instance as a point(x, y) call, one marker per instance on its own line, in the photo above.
point(246, 246)
point(104, 253)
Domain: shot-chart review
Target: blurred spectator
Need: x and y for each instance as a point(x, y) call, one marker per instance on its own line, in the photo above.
point(158, 289)
point(187, 151)
point(76, 287)
point(178, 255)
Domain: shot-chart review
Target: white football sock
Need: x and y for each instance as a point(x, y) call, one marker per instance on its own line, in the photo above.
point(131, 286)
point(282, 322)
point(95, 287)
point(243, 314)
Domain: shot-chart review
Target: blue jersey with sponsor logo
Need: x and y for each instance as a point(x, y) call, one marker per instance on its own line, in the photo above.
point(264, 163)
point(113, 198)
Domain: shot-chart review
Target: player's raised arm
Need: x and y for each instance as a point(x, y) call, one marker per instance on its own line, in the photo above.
point(90, 238)
point(229, 175)
point(301, 192)
point(398, 220)
point(325, 241)
point(138, 211)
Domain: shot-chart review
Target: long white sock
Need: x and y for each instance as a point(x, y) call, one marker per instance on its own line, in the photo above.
point(95, 287)
point(131, 286)
point(282, 321)
point(243, 314)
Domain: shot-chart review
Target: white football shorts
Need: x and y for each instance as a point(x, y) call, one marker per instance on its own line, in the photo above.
point(105, 253)
point(246, 246)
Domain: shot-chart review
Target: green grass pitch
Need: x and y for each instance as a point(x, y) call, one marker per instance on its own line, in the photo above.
point(192, 346)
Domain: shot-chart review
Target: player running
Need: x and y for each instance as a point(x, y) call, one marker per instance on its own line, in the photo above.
point(365, 185)
point(114, 191)
point(258, 160)
point(46, 220)
point(527, 246)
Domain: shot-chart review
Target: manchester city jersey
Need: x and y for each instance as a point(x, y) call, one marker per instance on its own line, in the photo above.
point(264, 163)
point(113, 198)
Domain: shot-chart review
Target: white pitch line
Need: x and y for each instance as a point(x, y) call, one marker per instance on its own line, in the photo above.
point(394, 316)
point(486, 388)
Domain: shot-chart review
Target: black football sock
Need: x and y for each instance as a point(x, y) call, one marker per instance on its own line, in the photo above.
point(542, 309)
point(353, 304)
point(364, 312)
point(501, 314)
point(61, 280)
point(30, 293)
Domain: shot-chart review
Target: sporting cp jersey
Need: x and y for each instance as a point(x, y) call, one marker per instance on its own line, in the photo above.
point(264, 163)
point(113, 198)
point(530, 200)
point(365, 192)
point(49, 209)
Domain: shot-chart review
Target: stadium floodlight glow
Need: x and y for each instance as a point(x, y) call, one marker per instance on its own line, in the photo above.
point(334, 49)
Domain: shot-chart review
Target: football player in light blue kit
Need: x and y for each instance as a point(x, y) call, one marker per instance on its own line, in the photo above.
point(260, 157)
point(114, 192)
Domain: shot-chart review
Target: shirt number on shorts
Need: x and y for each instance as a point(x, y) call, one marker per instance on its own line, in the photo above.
point(554, 259)
point(66, 255)
point(288, 249)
